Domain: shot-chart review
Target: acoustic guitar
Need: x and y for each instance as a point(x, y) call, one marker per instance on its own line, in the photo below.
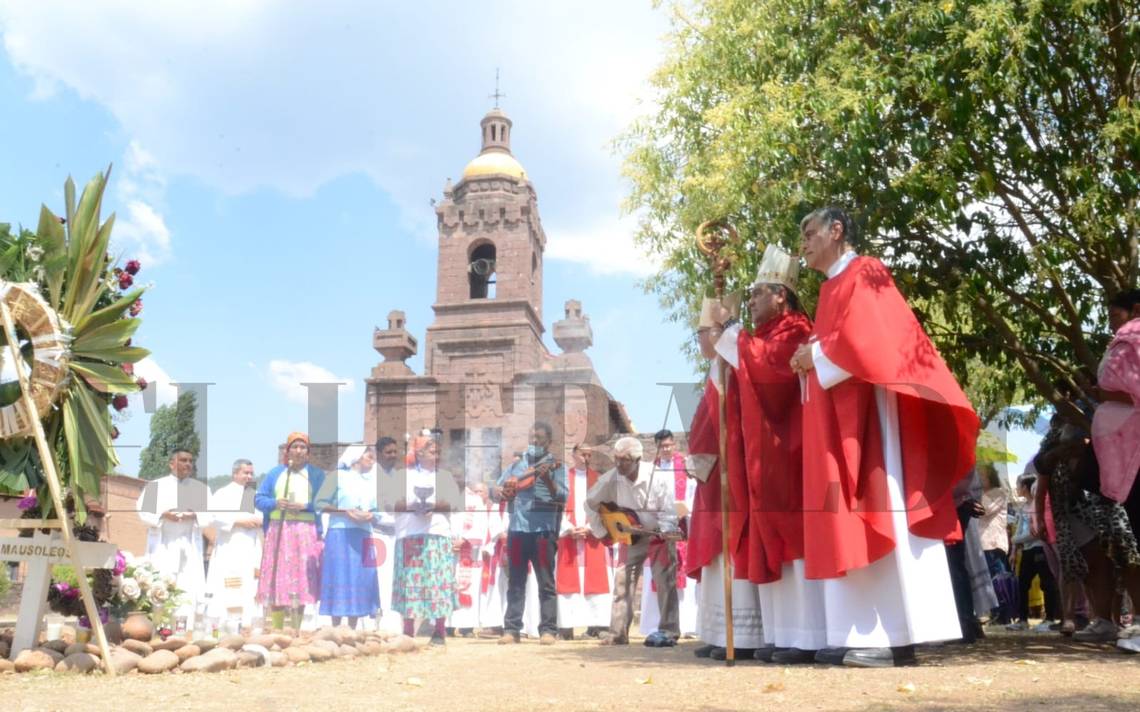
point(624, 527)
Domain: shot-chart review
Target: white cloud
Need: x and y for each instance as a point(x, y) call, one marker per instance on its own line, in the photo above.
point(606, 248)
point(158, 382)
point(246, 94)
point(140, 229)
point(287, 377)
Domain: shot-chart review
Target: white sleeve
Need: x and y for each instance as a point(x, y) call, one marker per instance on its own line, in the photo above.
point(727, 345)
point(826, 371)
point(147, 506)
point(598, 493)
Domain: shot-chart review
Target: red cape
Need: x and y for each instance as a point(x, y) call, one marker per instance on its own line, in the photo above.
point(772, 418)
point(597, 579)
point(704, 542)
point(865, 327)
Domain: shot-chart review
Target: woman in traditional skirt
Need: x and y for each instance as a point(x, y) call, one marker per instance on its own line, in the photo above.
point(349, 587)
point(291, 557)
point(424, 576)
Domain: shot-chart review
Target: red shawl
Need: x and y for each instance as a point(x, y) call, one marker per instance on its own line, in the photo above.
point(596, 574)
point(772, 418)
point(704, 543)
point(865, 327)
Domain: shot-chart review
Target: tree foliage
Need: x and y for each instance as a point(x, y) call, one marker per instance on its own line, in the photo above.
point(171, 427)
point(989, 151)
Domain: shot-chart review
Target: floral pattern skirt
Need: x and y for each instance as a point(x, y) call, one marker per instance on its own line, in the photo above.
point(423, 583)
point(290, 564)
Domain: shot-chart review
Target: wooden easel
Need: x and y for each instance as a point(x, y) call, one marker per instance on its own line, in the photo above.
point(63, 523)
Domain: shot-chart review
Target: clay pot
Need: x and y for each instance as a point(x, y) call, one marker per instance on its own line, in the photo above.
point(138, 626)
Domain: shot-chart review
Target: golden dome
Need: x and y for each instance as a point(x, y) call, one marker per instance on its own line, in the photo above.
point(494, 163)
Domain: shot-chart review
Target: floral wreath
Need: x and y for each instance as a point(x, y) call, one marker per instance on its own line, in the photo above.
point(49, 353)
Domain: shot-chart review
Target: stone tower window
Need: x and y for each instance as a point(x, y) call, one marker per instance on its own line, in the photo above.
point(481, 271)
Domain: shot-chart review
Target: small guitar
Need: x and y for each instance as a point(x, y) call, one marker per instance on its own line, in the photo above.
point(623, 526)
point(512, 485)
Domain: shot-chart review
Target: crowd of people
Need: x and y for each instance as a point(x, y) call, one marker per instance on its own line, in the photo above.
point(859, 523)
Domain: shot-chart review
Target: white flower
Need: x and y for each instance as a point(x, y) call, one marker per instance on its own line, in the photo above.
point(34, 252)
point(130, 588)
point(158, 594)
point(169, 580)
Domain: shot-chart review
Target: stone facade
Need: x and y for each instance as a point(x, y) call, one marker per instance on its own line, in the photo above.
point(488, 375)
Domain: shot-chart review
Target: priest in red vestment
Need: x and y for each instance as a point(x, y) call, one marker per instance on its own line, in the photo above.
point(887, 434)
point(770, 549)
point(584, 566)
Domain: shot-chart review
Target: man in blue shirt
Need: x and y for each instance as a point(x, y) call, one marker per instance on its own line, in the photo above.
point(536, 489)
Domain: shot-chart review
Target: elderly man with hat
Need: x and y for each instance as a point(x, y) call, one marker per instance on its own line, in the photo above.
point(291, 558)
point(634, 486)
point(767, 522)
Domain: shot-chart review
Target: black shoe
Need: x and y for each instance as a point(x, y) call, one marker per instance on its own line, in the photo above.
point(740, 654)
point(704, 651)
point(764, 654)
point(793, 656)
point(830, 656)
point(594, 632)
point(437, 639)
point(880, 657)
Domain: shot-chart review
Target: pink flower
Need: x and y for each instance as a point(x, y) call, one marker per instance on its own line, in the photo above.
point(28, 502)
point(119, 402)
point(114, 433)
point(141, 382)
point(136, 308)
point(133, 267)
point(125, 281)
point(120, 563)
point(129, 369)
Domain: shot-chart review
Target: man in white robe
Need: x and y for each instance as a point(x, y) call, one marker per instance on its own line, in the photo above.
point(231, 582)
point(581, 574)
point(174, 509)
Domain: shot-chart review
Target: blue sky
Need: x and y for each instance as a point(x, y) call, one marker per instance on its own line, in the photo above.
point(273, 166)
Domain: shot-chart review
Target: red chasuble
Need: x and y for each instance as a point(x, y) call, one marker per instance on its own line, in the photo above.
point(865, 327)
point(596, 573)
point(772, 418)
point(704, 542)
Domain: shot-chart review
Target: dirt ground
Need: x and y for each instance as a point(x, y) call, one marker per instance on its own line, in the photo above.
point(1005, 672)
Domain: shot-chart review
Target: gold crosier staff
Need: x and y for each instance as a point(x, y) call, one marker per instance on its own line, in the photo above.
point(713, 236)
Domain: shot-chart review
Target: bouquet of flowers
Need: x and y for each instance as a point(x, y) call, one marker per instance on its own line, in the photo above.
point(137, 586)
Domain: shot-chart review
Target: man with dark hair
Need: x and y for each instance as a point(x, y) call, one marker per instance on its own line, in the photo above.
point(887, 434)
point(670, 465)
point(174, 510)
point(536, 488)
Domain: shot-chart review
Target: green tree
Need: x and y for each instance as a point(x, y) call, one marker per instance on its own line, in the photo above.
point(988, 149)
point(171, 426)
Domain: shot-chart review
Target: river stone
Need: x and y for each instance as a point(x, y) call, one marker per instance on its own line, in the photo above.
point(373, 647)
point(278, 658)
point(78, 662)
point(124, 661)
point(6, 666)
point(158, 661)
point(31, 660)
point(318, 654)
point(188, 651)
point(233, 642)
point(83, 648)
point(362, 649)
point(137, 647)
point(266, 641)
point(403, 644)
point(283, 641)
point(297, 654)
point(59, 645)
point(55, 654)
point(170, 644)
point(328, 645)
point(215, 661)
point(348, 651)
point(248, 659)
point(206, 644)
